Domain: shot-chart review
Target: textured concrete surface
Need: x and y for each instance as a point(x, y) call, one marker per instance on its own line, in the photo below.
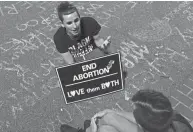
point(154, 38)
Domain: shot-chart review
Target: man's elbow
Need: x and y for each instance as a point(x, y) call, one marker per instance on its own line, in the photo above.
point(69, 61)
point(68, 58)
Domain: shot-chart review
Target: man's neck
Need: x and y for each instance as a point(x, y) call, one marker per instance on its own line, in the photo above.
point(74, 37)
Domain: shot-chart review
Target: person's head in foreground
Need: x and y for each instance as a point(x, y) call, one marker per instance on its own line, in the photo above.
point(153, 111)
point(70, 18)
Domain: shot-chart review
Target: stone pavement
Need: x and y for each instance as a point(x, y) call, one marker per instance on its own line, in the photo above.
point(155, 40)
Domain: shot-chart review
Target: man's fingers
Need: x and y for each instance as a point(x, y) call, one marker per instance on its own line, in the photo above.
point(107, 41)
point(100, 114)
point(95, 116)
point(108, 38)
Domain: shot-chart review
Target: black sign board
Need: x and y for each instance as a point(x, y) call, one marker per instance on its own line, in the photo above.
point(91, 78)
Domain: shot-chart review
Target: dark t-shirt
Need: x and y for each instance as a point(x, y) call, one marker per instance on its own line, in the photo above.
point(178, 126)
point(81, 47)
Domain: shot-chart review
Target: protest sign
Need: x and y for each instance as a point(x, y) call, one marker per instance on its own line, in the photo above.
point(91, 78)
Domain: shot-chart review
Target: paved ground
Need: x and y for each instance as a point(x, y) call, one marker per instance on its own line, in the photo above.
point(154, 38)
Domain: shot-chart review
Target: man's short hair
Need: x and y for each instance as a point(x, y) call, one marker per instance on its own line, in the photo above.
point(153, 110)
point(65, 8)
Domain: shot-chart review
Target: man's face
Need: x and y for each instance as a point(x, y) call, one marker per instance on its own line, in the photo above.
point(72, 24)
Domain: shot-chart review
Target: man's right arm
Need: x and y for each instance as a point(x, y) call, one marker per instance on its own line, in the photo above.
point(128, 115)
point(67, 57)
point(62, 47)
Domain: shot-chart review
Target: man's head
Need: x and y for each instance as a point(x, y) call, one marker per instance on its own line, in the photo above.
point(153, 110)
point(70, 18)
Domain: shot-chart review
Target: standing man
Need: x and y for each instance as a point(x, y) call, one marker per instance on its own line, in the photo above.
point(78, 38)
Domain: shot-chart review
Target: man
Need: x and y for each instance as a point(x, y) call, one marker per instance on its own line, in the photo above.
point(152, 112)
point(78, 38)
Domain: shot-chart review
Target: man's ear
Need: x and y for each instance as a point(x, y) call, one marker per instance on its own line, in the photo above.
point(62, 24)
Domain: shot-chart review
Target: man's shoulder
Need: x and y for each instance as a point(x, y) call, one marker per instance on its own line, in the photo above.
point(88, 19)
point(90, 25)
point(181, 127)
point(59, 33)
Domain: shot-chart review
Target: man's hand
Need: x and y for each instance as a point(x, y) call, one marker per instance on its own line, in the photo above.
point(106, 43)
point(93, 125)
point(102, 113)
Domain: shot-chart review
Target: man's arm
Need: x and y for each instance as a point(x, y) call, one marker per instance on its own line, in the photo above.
point(68, 58)
point(115, 120)
point(127, 115)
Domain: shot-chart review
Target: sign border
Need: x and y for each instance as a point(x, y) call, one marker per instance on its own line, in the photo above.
point(88, 61)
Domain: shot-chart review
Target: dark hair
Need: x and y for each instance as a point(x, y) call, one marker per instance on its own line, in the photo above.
point(65, 8)
point(153, 110)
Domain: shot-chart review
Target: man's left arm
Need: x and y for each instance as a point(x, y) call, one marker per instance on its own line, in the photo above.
point(103, 44)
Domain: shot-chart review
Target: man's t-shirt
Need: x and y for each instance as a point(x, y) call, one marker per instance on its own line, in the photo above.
point(82, 47)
